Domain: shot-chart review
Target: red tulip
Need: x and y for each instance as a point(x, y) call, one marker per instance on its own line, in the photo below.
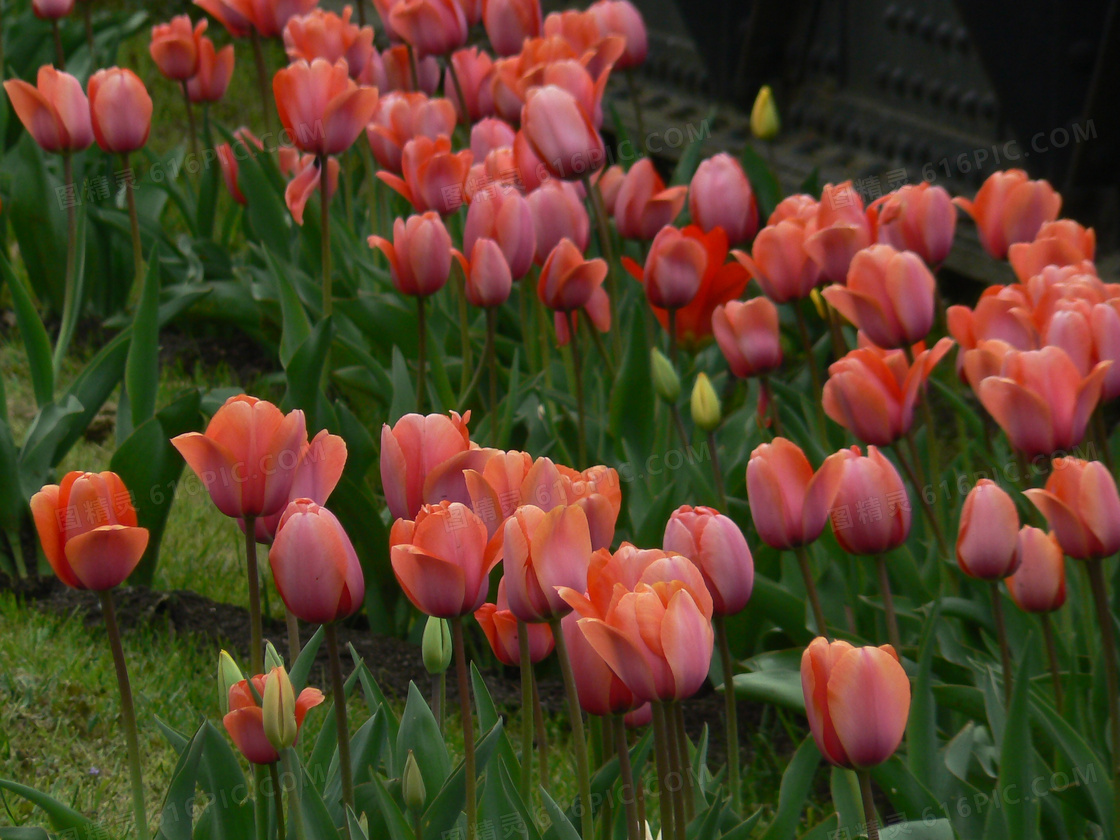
point(431, 27)
point(507, 218)
point(1041, 400)
point(1081, 504)
point(440, 560)
point(55, 111)
point(120, 110)
point(715, 544)
point(561, 133)
point(434, 176)
point(509, 22)
point(488, 278)
point(857, 701)
point(748, 336)
point(720, 196)
point(327, 35)
point(245, 720)
point(1061, 243)
point(322, 109)
point(412, 455)
point(841, 229)
point(558, 213)
point(789, 502)
point(1039, 583)
point(215, 69)
point(919, 218)
point(248, 456)
point(872, 393)
point(622, 18)
point(87, 527)
point(52, 9)
point(871, 510)
point(541, 552)
point(889, 296)
point(419, 255)
point(988, 537)
point(1010, 208)
point(644, 205)
point(499, 624)
point(567, 280)
point(779, 263)
point(228, 158)
point(317, 473)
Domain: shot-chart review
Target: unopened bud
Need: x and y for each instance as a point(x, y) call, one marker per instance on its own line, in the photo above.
point(279, 709)
point(705, 404)
point(765, 124)
point(412, 785)
point(437, 645)
point(229, 675)
point(271, 658)
point(665, 379)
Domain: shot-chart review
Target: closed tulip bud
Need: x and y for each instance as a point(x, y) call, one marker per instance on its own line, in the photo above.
point(175, 47)
point(120, 110)
point(558, 213)
point(415, 453)
point(988, 538)
point(541, 552)
point(789, 502)
point(272, 659)
point(279, 707)
point(706, 411)
point(509, 22)
point(52, 9)
point(412, 785)
point(55, 111)
point(919, 218)
point(561, 133)
point(507, 218)
point(644, 205)
point(714, 543)
point(857, 701)
point(870, 483)
point(1010, 208)
point(765, 124)
point(431, 27)
point(487, 274)
point(1081, 503)
point(419, 255)
point(666, 380)
point(229, 675)
point(674, 268)
point(720, 196)
point(436, 646)
point(215, 69)
point(1039, 584)
point(749, 336)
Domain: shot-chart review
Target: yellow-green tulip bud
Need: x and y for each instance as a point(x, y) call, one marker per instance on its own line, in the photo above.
point(705, 404)
point(229, 675)
point(271, 658)
point(765, 124)
point(279, 709)
point(665, 379)
point(412, 785)
point(437, 645)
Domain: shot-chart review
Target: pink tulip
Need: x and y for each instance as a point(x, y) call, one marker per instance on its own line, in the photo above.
point(779, 262)
point(988, 537)
point(674, 269)
point(789, 502)
point(317, 473)
point(413, 455)
point(402, 116)
point(800, 208)
point(215, 69)
point(1039, 583)
point(392, 71)
point(499, 625)
point(330, 36)
point(1010, 208)
point(599, 689)
point(431, 27)
point(748, 336)
point(175, 47)
point(245, 720)
point(567, 280)
point(622, 18)
point(644, 205)
point(434, 176)
point(236, 16)
point(509, 22)
point(919, 218)
point(1061, 243)
point(561, 134)
point(55, 111)
point(871, 511)
point(488, 278)
point(120, 110)
point(841, 230)
point(488, 134)
point(720, 196)
point(507, 218)
point(857, 701)
point(1081, 504)
point(323, 110)
point(419, 255)
point(542, 552)
point(558, 213)
point(609, 184)
point(718, 548)
point(308, 179)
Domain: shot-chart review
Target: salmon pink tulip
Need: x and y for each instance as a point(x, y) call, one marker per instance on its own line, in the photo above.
point(434, 176)
point(330, 36)
point(506, 217)
point(245, 720)
point(54, 111)
point(414, 453)
point(1061, 243)
point(558, 213)
point(1039, 583)
point(175, 47)
point(599, 689)
point(472, 72)
point(509, 22)
point(318, 472)
point(541, 552)
point(487, 274)
point(720, 196)
point(402, 116)
point(609, 183)
point(988, 536)
point(490, 133)
point(674, 269)
point(430, 27)
point(235, 15)
point(499, 625)
point(644, 205)
point(621, 18)
point(716, 545)
point(1010, 208)
point(52, 9)
point(567, 280)
point(561, 133)
point(322, 109)
point(215, 69)
point(306, 181)
point(120, 110)
point(919, 218)
point(748, 336)
point(789, 502)
point(1081, 504)
point(841, 229)
point(779, 263)
point(871, 510)
point(419, 255)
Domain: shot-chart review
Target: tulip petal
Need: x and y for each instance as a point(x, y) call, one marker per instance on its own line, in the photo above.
point(434, 586)
point(869, 701)
point(104, 557)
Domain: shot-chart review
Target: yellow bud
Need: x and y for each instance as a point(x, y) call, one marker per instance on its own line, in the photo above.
point(436, 646)
point(229, 675)
point(665, 379)
point(705, 404)
point(279, 709)
point(765, 124)
point(819, 302)
point(412, 784)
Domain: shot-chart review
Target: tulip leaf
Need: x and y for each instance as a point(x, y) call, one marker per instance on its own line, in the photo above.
point(561, 828)
point(36, 209)
point(511, 401)
point(300, 669)
point(176, 820)
point(744, 829)
point(796, 784)
point(690, 158)
point(826, 830)
point(404, 397)
point(355, 826)
point(1016, 766)
point(420, 733)
point(354, 505)
point(295, 324)
point(764, 182)
point(513, 795)
point(782, 607)
point(921, 728)
point(632, 394)
point(51, 425)
point(443, 810)
point(221, 778)
point(23, 833)
point(61, 816)
point(391, 813)
point(267, 218)
point(304, 375)
point(35, 340)
point(938, 829)
point(904, 791)
point(846, 798)
point(175, 738)
point(141, 372)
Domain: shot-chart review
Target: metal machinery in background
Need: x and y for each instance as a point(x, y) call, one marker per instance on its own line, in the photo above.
point(884, 92)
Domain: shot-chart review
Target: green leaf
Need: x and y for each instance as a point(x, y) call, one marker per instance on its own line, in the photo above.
point(395, 820)
point(301, 668)
point(38, 218)
point(561, 828)
point(304, 375)
point(1016, 766)
point(66, 328)
point(267, 217)
point(227, 817)
point(767, 190)
point(316, 816)
point(443, 810)
point(176, 819)
point(51, 425)
point(921, 728)
point(141, 371)
point(633, 395)
point(420, 733)
point(23, 833)
point(796, 784)
point(689, 159)
point(939, 829)
point(296, 326)
point(404, 396)
point(782, 688)
point(60, 816)
point(34, 335)
point(846, 798)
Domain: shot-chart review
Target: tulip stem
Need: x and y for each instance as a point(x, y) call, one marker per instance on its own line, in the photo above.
point(414, 66)
point(492, 364)
point(128, 715)
point(261, 802)
point(579, 739)
point(69, 297)
point(577, 364)
point(421, 356)
point(626, 774)
point(772, 404)
point(1001, 634)
point(464, 333)
point(277, 799)
point(598, 209)
point(684, 766)
point(717, 472)
point(730, 711)
point(256, 649)
point(1099, 587)
point(464, 114)
point(636, 101)
point(87, 19)
point(661, 752)
point(338, 689)
point(295, 804)
point(814, 370)
point(325, 233)
point(471, 779)
point(293, 636)
point(59, 52)
point(672, 330)
point(917, 481)
point(262, 76)
point(134, 224)
point(1052, 656)
point(888, 603)
point(542, 738)
point(526, 712)
point(811, 589)
point(868, 805)
point(190, 124)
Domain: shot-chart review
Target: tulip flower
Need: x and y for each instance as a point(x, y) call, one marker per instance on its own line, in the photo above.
point(789, 502)
point(1081, 504)
point(622, 18)
point(490, 133)
point(988, 537)
point(871, 510)
point(215, 69)
point(440, 560)
point(889, 296)
point(430, 27)
point(544, 551)
point(234, 15)
point(1038, 585)
point(499, 625)
point(469, 71)
point(748, 336)
point(419, 255)
point(919, 218)
point(857, 700)
point(800, 208)
point(507, 218)
point(330, 36)
point(87, 527)
point(609, 183)
point(402, 116)
point(599, 689)
point(674, 269)
point(872, 393)
point(720, 196)
point(1010, 208)
point(245, 720)
point(558, 214)
point(392, 71)
point(644, 206)
point(120, 110)
point(322, 109)
point(567, 280)
point(842, 228)
point(308, 178)
point(175, 47)
point(715, 544)
point(488, 281)
point(509, 22)
point(317, 473)
point(1061, 243)
point(54, 111)
point(434, 176)
point(52, 9)
point(1040, 399)
point(415, 455)
point(779, 262)
point(560, 132)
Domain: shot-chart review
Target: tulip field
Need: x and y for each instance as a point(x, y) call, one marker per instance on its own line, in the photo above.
point(772, 531)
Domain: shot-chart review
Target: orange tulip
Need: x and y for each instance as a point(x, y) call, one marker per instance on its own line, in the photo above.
point(431, 27)
point(871, 510)
point(403, 116)
point(499, 625)
point(1010, 208)
point(544, 551)
point(317, 473)
point(644, 205)
point(327, 35)
point(215, 69)
point(748, 336)
point(473, 67)
point(321, 107)
point(1039, 583)
point(509, 22)
point(440, 560)
point(779, 263)
point(841, 229)
point(175, 47)
point(488, 281)
point(919, 218)
point(988, 536)
point(55, 111)
point(1081, 504)
point(567, 280)
point(434, 176)
point(720, 196)
point(561, 133)
point(506, 217)
point(245, 720)
point(789, 502)
point(419, 255)
point(414, 455)
point(87, 527)
point(857, 700)
point(120, 110)
point(714, 543)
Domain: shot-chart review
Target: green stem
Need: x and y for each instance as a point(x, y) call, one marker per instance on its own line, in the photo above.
point(1001, 634)
point(688, 801)
point(262, 77)
point(293, 635)
point(134, 225)
point(87, 19)
point(325, 223)
point(664, 773)
point(811, 589)
point(261, 798)
point(190, 124)
point(1099, 587)
point(717, 473)
point(295, 804)
point(672, 330)
point(730, 712)
point(542, 738)
point(128, 715)
point(1052, 657)
point(422, 338)
point(69, 298)
point(579, 739)
point(678, 424)
point(888, 603)
point(868, 805)
point(577, 364)
point(468, 727)
point(464, 116)
point(492, 364)
point(338, 689)
point(814, 370)
point(526, 712)
point(414, 66)
point(598, 209)
point(772, 405)
point(437, 706)
point(277, 799)
point(256, 645)
point(60, 53)
point(917, 481)
point(626, 775)
point(464, 333)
